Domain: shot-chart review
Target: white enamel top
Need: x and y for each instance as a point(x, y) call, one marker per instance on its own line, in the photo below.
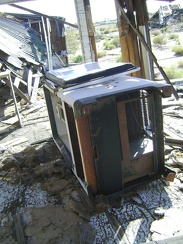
point(105, 87)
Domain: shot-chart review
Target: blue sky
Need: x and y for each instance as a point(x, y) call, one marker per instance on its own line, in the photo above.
point(66, 8)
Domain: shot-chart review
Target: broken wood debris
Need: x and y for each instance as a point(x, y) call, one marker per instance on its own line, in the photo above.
point(31, 110)
point(7, 75)
point(177, 157)
point(4, 130)
point(14, 142)
point(23, 58)
point(171, 132)
point(131, 216)
point(10, 121)
point(173, 137)
point(47, 139)
point(174, 142)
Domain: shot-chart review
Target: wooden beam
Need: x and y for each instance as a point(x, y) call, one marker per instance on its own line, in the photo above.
point(44, 15)
point(7, 74)
point(128, 40)
point(141, 38)
point(90, 26)
point(142, 18)
point(13, 1)
point(87, 153)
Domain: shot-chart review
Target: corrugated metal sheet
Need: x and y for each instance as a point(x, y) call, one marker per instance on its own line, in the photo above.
point(19, 43)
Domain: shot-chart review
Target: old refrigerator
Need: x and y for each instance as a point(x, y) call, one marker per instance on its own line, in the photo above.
point(107, 125)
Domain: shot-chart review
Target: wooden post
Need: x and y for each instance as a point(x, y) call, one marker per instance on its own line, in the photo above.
point(86, 30)
point(91, 31)
point(141, 38)
point(142, 25)
point(7, 74)
point(128, 40)
point(86, 148)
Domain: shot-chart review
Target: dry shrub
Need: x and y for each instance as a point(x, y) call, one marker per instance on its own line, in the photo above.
point(178, 50)
point(159, 40)
point(173, 73)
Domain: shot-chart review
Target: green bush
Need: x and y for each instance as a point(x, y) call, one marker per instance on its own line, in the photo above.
point(164, 29)
point(77, 59)
point(101, 54)
point(101, 28)
point(173, 36)
point(109, 46)
point(72, 40)
point(107, 28)
point(159, 40)
point(106, 32)
point(178, 50)
point(115, 42)
point(178, 42)
point(99, 37)
point(180, 63)
point(156, 32)
point(109, 38)
point(119, 58)
point(173, 72)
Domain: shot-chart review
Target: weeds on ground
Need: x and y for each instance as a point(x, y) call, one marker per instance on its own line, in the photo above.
point(174, 37)
point(112, 43)
point(119, 58)
point(155, 32)
point(159, 40)
point(173, 72)
point(77, 59)
point(180, 63)
point(178, 50)
point(101, 54)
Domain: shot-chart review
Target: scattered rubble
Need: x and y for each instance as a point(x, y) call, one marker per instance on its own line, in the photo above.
point(42, 201)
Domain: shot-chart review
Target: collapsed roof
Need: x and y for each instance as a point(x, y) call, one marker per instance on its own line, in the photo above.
point(19, 44)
